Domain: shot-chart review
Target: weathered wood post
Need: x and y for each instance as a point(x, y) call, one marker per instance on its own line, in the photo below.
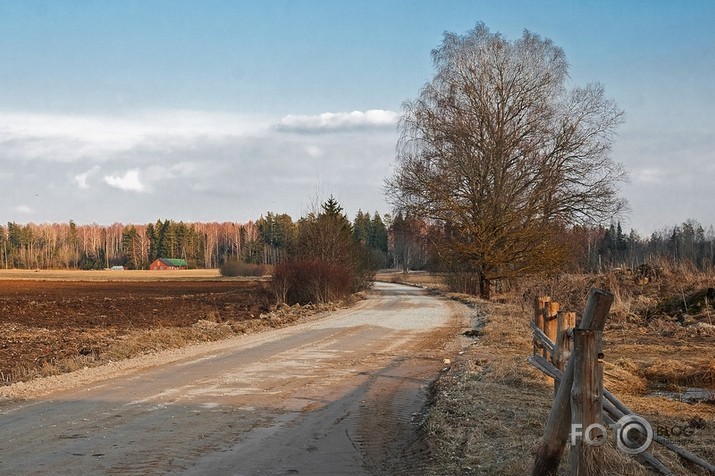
point(586, 400)
point(539, 312)
point(565, 323)
point(551, 311)
point(558, 426)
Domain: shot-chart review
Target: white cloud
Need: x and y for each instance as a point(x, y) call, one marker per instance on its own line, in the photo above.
point(81, 179)
point(129, 182)
point(67, 138)
point(157, 173)
point(314, 151)
point(339, 121)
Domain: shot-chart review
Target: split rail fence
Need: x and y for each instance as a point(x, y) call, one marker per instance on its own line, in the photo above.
point(571, 356)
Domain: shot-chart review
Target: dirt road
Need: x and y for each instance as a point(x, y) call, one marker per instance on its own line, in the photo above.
point(337, 395)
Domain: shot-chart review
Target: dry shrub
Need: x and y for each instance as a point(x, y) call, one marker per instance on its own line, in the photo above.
point(678, 290)
point(312, 281)
point(570, 290)
point(462, 283)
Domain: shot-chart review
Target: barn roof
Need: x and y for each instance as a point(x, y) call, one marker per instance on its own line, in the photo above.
point(174, 262)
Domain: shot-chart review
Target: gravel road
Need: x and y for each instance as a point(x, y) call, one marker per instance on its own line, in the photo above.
point(341, 394)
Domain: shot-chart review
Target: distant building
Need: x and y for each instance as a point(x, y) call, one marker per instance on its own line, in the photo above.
point(161, 264)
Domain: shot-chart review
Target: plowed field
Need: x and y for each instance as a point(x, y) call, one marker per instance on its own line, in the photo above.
point(43, 323)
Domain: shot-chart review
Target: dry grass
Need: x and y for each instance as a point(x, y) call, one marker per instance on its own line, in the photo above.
point(488, 412)
point(125, 346)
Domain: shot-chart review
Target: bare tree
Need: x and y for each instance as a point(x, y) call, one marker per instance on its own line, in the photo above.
point(498, 150)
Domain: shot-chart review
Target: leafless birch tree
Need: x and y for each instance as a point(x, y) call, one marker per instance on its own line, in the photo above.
point(498, 150)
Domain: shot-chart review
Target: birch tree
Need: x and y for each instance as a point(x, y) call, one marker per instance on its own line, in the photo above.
point(497, 150)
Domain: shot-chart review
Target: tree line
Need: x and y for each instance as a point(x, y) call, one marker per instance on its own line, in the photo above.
point(401, 241)
point(266, 241)
point(688, 243)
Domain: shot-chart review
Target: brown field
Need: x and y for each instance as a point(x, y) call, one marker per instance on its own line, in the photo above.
point(57, 321)
point(110, 275)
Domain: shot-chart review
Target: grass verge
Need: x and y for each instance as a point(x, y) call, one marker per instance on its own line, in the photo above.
point(487, 413)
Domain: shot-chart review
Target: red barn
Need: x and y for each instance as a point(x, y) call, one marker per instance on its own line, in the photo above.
point(161, 264)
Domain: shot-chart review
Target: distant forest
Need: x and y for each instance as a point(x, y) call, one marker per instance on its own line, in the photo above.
point(394, 242)
point(203, 245)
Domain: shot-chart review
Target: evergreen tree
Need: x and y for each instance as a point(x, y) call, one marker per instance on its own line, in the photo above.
point(362, 228)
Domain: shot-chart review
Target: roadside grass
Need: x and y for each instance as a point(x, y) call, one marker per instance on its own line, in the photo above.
point(487, 413)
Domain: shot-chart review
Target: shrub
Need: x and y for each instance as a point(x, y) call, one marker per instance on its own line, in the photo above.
point(233, 268)
point(462, 282)
point(315, 281)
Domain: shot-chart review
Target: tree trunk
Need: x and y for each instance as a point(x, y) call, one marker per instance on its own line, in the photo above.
point(485, 287)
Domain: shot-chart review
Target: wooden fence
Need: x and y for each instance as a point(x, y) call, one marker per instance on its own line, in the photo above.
point(571, 356)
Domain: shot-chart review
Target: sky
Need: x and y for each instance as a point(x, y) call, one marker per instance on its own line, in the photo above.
point(133, 111)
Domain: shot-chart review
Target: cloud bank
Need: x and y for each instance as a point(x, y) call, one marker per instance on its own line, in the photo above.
point(194, 166)
point(206, 166)
point(341, 121)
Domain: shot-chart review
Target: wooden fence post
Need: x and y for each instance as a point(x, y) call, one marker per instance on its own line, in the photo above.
point(558, 426)
point(539, 312)
point(551, 311)
point(565, 323)
point(586, 398)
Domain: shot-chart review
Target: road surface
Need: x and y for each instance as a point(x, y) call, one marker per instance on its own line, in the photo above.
point(337, 395)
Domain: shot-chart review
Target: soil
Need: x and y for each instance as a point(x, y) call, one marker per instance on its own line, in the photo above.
point(43, 323)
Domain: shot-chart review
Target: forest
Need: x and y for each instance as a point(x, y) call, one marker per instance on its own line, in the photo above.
point(203, 245)
point(398, 241)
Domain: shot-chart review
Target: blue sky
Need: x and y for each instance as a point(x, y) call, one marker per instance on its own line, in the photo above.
point(131, 111)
